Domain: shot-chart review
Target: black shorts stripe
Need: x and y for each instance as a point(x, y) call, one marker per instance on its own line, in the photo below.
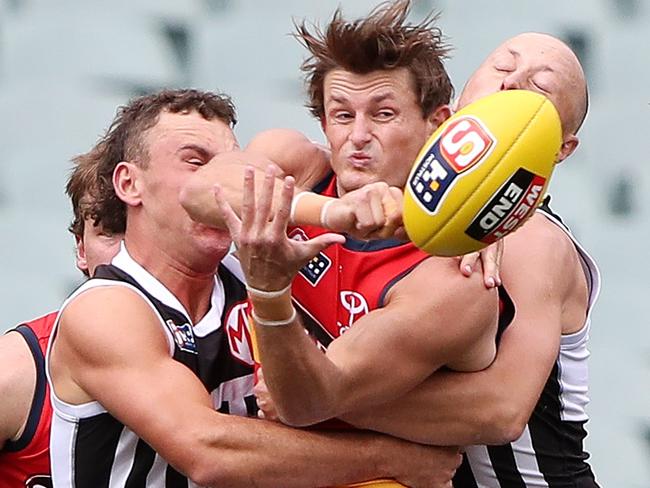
point(95, 447)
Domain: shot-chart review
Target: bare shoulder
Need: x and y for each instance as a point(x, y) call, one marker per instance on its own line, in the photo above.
point(17, 380)
point(440, 276)
point(457, 310)
point(539, 246)
point(294, 153)
point(16, 361)
point(437, 285)
point(113, 317)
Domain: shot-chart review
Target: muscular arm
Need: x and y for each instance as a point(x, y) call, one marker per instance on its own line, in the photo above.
point(389, 351)
point(127, 378)
point(492, 406)
point(291, 151)
point(17, 383)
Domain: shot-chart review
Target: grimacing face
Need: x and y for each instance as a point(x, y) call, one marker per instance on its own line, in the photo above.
point(540, 63)
point(177, 145)
point(374, 125)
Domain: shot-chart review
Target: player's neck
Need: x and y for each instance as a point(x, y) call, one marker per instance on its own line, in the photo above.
point(189, 281)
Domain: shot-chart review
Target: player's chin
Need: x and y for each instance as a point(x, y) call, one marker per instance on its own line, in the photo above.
point(211, 238)
point(355, 178)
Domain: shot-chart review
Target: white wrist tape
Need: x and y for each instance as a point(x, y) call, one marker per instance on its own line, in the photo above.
point(323, 212)
point(294, 205)
point(274, 323)
point(267, 294)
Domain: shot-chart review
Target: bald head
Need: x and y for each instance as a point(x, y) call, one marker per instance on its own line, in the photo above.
point(537, 62)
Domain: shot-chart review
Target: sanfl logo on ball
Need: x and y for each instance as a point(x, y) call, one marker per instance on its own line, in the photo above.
point(462, 145)
point(465, 143)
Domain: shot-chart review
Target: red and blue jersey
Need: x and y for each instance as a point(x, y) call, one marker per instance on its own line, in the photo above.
point(25, 462)
point(346, 281)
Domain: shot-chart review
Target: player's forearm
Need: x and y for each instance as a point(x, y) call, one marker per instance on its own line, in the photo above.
point(450, 409)
point(302, 381)
point(248, 452)
point(226, 170)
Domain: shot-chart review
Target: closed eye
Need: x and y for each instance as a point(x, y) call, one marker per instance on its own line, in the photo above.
point(540, 86)
point(195, 161)
point(194, 154)
point(504, 68)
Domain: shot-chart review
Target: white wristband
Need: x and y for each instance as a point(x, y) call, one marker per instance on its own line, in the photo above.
point(274, 323)
point(294, 204)
point(267, 294)
point(323, 212)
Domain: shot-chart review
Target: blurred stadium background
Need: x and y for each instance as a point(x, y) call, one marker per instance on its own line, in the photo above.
point(65, 66)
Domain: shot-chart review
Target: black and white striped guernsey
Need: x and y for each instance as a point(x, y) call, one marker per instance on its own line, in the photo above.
point(90, 448)
point(550, 452)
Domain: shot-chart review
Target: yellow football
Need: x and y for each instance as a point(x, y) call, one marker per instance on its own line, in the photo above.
point(482, 173)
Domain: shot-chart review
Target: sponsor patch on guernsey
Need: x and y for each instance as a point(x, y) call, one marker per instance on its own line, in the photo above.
point(317, 266)
point(510, 205)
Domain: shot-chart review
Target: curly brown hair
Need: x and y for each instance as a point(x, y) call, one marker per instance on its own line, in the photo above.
point(381, 41)
point(124, 141)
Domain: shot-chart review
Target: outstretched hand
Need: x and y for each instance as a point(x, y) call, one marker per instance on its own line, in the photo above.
point(269, 259)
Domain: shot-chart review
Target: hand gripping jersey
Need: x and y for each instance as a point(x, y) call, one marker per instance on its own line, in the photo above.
point(550, 452)
point(90, 448)
point(25, 462)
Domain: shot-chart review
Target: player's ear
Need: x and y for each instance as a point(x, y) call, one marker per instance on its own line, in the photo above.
point(569, 144)
point(80, 249)
point(437, 117)
point(126, 183)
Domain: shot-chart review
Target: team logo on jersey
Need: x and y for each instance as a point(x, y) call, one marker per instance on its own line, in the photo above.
point(316, 268)
point(512, 203)
point(355, 306)
point(39, 481)
point(183, 336)
point(239, 335)
point(459, 148)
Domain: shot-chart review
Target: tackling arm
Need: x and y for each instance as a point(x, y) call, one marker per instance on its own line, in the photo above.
point(290, 151)
point(494, 405)
point(388, 351)
point(88, 363)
